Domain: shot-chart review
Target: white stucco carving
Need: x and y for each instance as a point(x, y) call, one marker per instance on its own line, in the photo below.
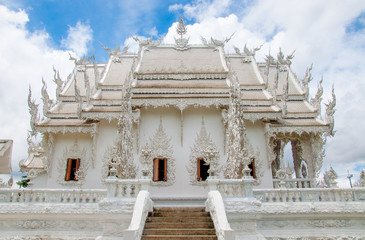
point(74, 152)
point(159, 146)
point(203, 148)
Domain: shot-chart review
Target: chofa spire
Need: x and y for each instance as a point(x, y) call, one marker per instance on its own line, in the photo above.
point(181, 28)
point(182, 43)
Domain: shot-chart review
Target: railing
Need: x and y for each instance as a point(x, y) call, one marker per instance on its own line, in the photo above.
point(215, 206)
point(310, 195)
point(52, 195)
point(231, 188)
point(292, 183)
point(142, 206)
point(126, 187)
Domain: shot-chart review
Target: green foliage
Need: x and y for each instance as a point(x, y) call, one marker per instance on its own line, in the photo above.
point(24, 182)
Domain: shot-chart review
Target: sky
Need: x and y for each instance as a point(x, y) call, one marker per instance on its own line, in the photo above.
point(39, 34)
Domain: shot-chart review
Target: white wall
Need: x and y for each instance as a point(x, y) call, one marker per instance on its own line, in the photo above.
point(150, 120)
point(256, 135)
point(59, 160)
point(171, 120)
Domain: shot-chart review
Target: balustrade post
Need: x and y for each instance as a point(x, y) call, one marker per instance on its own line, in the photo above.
point(145, 184)
point(111, 185)
point(212, 184)
point(247, 184)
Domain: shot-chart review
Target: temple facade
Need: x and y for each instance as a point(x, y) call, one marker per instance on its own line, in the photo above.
point(181, 125)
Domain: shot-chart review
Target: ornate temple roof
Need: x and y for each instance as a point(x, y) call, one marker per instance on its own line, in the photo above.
point(181, 75)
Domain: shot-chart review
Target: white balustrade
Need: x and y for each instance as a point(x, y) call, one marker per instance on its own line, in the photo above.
point(293, 183)
point(310, 195)
point(142, 206)
point(126, 187)
point(52, 195)
point(231, 188)
point(215, 206)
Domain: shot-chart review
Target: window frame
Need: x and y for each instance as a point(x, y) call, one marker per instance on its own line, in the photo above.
point(252, 167)
point(69, 168)
point(199, 173)
point(156, 170)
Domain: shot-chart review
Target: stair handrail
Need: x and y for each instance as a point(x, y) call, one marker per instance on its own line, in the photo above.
point(215, 206)
point(142, 206)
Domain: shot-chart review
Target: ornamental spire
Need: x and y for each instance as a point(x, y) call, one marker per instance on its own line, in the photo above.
point(181, 43)
point(181, 29)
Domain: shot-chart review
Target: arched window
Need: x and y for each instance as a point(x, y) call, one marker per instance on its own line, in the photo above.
point(159, 169)
point(202, 170)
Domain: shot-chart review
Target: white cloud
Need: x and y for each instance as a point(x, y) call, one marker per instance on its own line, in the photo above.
point(78, 38)
point(153, 32)
point(175, 7)
point(25, 58)
point(318, 31)
point(202, 9)
point(132, 44)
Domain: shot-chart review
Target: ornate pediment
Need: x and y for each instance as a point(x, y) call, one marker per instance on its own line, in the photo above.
point(203, 146)
point(73, 152)
point(159, 146)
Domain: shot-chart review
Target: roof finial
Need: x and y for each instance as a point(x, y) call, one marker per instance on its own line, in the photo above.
point(181, 29)
point(181, 43)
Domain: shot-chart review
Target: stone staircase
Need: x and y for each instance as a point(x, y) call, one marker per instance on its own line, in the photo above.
point(179, 223)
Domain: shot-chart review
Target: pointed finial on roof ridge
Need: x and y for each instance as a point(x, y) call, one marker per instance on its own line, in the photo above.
point(181, 43)
point(181, 28)
point(330, 110)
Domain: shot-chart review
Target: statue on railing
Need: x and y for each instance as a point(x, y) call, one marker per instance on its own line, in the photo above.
point(211, 157)
point(361, 181)
point(329, 178)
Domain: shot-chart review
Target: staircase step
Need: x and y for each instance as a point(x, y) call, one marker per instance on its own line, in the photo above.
point(149, 225)
point(187, 231)
point(181, 237)
point(179, 223)
point(178, 219)
point(179, 209)
point(179, 214)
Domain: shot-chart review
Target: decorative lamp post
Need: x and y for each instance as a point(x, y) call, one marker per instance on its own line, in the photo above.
point(210, 157)
point(349, 176)
point(146, 152)
point(245, 160)
point(113, 170)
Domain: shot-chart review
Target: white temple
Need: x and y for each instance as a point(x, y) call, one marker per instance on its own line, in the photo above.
point(180, 126)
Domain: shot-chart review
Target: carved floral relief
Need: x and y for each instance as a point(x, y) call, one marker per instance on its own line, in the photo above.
point(74, 152)
point(159, 146)
point(202, 144)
